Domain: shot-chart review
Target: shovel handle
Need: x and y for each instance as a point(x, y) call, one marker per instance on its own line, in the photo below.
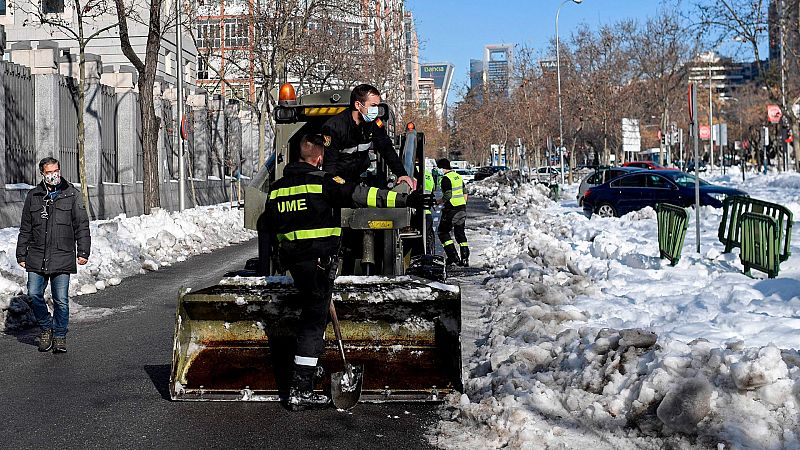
point(338, 332)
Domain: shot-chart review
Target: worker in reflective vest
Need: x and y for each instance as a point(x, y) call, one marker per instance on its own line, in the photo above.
point(302, 220)
point(454, 215)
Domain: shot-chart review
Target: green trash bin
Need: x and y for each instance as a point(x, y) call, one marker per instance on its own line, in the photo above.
point(672, 224)
point(555, 191)
point(760, 243)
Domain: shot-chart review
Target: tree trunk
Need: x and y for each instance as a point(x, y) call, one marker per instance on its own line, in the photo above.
point(263, 117)
point(82, 127)
point(147, 74)
point(150, 182)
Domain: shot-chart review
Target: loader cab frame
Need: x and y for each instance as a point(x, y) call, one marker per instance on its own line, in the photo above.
point(389, 235)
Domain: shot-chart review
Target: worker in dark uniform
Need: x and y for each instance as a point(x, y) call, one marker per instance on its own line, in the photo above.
point(428, 188)
point(454, 214)
point(351, 134)
point(302, 216)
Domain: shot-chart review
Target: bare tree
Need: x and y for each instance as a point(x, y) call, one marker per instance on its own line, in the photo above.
point(718, 21)
point(156, 28)
point(659, 59)
point(89, 20)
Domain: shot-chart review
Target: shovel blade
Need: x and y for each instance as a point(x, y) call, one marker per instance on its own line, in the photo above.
point(345, 392)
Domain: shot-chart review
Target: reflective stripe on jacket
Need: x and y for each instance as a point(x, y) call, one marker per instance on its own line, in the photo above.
point(302, 210)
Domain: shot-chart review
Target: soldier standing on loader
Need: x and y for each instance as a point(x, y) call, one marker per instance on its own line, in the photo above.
point(304, 225)
point(454, 214)
point(350, 135)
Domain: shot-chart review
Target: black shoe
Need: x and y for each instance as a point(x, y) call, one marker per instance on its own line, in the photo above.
point(59, 344)
point(452, 262)
point(46, 341)
point(301, 400)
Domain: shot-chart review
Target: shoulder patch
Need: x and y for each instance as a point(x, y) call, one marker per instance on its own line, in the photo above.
point(379, 123)
point(327, 140)
point(338, 179)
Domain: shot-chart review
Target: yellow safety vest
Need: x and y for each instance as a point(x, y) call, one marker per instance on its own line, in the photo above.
point(429, 186)
point(457, 185)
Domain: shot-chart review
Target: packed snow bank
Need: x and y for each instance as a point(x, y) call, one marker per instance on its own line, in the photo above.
point(594, 342)
point(122, 247)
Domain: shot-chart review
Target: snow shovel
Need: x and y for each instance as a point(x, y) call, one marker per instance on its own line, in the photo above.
point(345, 385)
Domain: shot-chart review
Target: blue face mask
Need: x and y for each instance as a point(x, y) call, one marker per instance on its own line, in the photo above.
point(372, 114)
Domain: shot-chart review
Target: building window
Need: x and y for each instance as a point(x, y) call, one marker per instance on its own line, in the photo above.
point(202, 67)
point(52, 6)
point(2, 7)
point(236, 33)
point(208, 34)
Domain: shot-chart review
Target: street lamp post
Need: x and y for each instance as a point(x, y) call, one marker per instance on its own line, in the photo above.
point(558, 75)
point(179, 84)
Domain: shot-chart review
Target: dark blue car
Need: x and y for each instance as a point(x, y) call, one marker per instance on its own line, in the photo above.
point(634, 191)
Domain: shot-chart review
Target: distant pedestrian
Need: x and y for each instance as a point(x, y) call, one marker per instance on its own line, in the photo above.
point(53, 234)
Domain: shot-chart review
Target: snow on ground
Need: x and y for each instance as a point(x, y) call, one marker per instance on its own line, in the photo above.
point(122, 247)
point(590, 340)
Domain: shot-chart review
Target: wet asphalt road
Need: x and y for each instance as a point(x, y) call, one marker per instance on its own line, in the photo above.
point(110, 389)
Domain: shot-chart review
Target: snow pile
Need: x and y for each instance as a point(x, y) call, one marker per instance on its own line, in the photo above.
point(122, 247)
point(594, 341)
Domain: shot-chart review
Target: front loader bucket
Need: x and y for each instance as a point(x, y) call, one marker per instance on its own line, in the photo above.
point(235, 341)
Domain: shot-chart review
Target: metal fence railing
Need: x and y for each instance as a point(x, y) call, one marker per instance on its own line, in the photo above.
point(68, 128)
point(19, 105)
point(108, 134)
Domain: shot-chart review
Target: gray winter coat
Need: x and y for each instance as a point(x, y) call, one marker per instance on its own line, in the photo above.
point(47, 242)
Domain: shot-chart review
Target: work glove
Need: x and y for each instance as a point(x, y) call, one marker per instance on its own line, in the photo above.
point(418, 199)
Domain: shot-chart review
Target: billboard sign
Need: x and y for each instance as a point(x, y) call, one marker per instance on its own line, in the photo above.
point(438, 72)
point(631, 137)
point(548, 65)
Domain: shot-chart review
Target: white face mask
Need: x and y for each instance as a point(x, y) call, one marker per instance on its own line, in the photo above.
point(53, 178)
point(372, 114)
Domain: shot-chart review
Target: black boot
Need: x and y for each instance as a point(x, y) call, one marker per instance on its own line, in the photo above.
point(452, 256)
point(465, 256)
point(301, 393)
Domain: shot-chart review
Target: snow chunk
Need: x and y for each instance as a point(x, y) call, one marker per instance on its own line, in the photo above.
point(686, 405)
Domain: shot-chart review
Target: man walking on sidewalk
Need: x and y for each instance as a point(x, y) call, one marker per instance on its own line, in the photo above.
point(454, 214)
point(54, 222)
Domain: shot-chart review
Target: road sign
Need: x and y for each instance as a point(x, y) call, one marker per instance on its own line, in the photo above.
point(705, 132)
point(774, 113)
point(631, 137)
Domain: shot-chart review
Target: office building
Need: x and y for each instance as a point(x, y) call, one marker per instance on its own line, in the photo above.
point(723, 74)
point(437, 78)
point(494, 73)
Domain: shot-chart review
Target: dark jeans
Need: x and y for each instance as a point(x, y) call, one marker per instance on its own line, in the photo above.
point(312, 279)
point(59, 287)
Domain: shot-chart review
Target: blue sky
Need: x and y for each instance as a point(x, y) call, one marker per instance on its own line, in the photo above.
point(457, 30)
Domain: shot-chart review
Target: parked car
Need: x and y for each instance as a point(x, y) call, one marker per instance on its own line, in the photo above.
point(600, 176)
point(647, 165)
point(547, 174)
point(634, 191)
point(487, 171)
point(466, 174)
